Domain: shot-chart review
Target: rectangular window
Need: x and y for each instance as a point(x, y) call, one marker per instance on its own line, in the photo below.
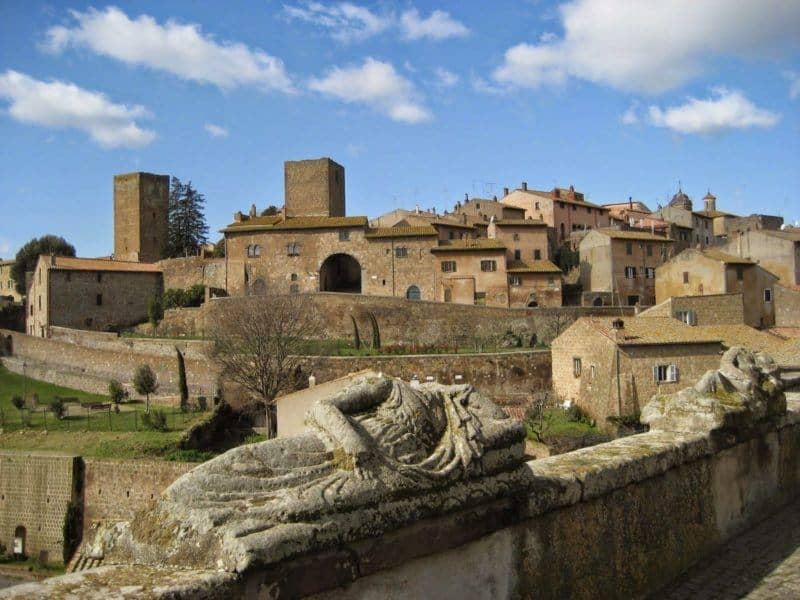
point(560, 205)
point(649, 249)
point(630, 272)
point(628, 247)
point(591, 372)
point(576, 366)
point(451, 235)
point(588, 210)
point(739, 272)
point(401, 252)
point(99, 300)
point(292, 249)
point(488, 265)
point(686, 277)
point(537, 255)
point(687, 316)
point(294, 288)
point(665, 373)
point(649, 273)
point(514, 280)
point(448, 266)
point(480, 298)
point(551, 280)
point(69, 276)
point(767, 295)
point(40, 303)
point(516, 237)
point(99, 277)
point(574, 208)
point(517, 254)
point(344, 235)
point(536, 206)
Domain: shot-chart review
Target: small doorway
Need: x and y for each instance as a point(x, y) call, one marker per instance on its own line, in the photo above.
point(19, 541)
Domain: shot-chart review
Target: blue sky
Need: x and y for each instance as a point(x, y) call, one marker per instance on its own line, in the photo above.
point(420, 101)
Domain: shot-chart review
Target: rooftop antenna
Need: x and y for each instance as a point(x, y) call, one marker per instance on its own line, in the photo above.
point(488, 188)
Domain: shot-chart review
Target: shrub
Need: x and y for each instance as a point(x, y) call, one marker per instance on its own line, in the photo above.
point(155, 310)
point(58, 408)
point(195, 295)
point(18, 402)
point(117, 393)
point(145, 383)
point(575, 414)
point(155, 419)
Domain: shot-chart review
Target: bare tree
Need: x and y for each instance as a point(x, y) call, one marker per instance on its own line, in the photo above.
point(259, 342)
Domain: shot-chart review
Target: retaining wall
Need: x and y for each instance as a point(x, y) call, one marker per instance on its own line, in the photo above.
point(787, 307)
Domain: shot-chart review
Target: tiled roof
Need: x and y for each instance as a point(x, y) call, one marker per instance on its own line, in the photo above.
point(650, 331)
point(549, 196)
point(467, 245)
point(451, 223)
point(5, 263)
point(394, 232)
point(534, 266)
point(642, 207)
point(724, 257)
point(520, 223)
point(279, 223)
point(788, 354)
point(620, 234)
point(744, 335)
point(65, 263)
point(712, 214)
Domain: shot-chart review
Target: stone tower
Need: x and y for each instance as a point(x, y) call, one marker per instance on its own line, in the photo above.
point(314, 188)
point(140, 216)
point(710, 202)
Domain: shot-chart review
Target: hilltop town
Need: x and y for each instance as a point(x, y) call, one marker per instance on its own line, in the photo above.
point(573, 317)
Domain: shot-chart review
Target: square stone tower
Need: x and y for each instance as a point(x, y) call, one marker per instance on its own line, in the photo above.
point(141, 201)
point(314, 188)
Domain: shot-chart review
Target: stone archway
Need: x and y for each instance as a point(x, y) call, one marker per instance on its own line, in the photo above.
point(340, 273)
point(19, 541)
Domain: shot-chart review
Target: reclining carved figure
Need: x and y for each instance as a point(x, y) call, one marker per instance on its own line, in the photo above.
point(374, 455)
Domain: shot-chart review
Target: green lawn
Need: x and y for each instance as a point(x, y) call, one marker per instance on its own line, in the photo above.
point(102, 433)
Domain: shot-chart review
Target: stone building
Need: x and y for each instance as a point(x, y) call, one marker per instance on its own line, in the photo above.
point(419, 255)
point(87, 293)
point(8, 287)
point(141, 202)
point(680, 211)
point(618, 267)
point(483, 210)
point(612, 367)
point(776, 251)
point(563, 210)
point(702, 272)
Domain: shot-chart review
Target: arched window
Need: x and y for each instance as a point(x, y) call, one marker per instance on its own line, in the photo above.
point(412, 293)
point(448, 295)
point(19, 541)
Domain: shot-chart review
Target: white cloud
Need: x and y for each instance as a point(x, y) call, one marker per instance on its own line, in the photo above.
point(347, 22)
point(376, 84)
point(726, 109)
point(631, 116)
point(445, 78)
point(438, 26)
point(215, 130)
point(649, 45)
point(63, 105)
point(794, 84)
point(180, 49)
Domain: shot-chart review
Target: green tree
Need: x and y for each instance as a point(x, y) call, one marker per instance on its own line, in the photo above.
point(28, 255)
point(117, 393)
point(18, 402)
point(182, 385)
point(155, 311)
point(187, 229)
point(145, 383)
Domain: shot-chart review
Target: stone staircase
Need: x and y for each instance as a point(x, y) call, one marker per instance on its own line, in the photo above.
point(81, 561)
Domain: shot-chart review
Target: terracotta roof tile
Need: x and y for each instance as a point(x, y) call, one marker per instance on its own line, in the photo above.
point(64, 263)
point(724, 257)
point(650, 331)
point(520, 223)
point(270, 223)
point(534, 266)
point(549, 196)
point(394, 232)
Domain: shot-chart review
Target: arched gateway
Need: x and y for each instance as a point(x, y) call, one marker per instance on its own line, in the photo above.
point(340, 273)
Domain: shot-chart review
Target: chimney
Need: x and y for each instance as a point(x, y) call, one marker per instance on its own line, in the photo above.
point(494, 198)
point(618, 324)
point(505, 191)
point(571, 193)
point(466, 197)
point(252, 211)
point(238, 216)
point(556, 193)
point(630, 202)
point(525, 185)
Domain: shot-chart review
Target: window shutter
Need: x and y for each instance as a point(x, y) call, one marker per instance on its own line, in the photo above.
point(673, 373)
point(655, 374)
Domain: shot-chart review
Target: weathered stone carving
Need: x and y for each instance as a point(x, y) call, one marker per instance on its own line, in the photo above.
point(378, 454)
point(745, 390)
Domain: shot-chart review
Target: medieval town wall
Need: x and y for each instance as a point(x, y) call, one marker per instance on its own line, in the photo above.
point(181, 273)
point(35, 493)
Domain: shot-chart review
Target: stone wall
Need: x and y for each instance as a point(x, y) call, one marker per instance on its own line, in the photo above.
point(713, 309)
point(181, 273)
point(787, 307)
point(88, 360)
point(509, 378)
point(115, 489)
point(407, 322)
point(35, 493)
